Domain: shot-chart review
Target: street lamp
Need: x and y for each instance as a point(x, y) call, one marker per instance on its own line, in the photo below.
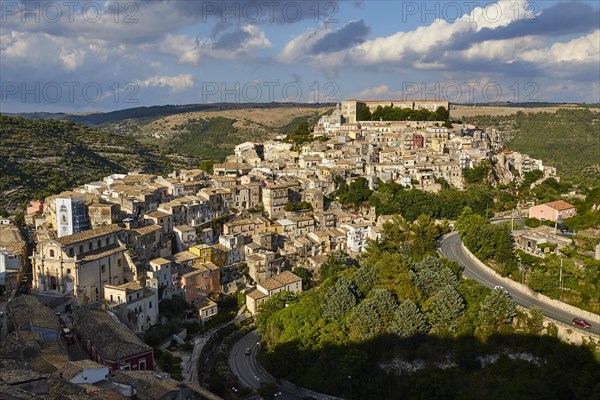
point(350, 386)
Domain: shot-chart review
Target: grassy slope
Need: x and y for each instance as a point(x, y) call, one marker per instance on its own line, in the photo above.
point(214, 134)
point(43, 157)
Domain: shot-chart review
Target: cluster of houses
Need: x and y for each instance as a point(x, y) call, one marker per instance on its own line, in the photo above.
point(114, 364)
point(110, 251)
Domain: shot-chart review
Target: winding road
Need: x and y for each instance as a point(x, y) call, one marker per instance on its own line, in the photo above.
point(249, 371)
point(450, 247)
point(252, 374)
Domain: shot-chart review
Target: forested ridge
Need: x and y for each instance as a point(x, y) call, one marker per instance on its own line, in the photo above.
point(568, 139)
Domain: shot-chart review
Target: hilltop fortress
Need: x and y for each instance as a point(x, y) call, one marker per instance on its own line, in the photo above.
point(351, 108)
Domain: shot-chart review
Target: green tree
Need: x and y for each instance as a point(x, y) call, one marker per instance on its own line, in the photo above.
point(289, 206)
point(305, 275)
point(394, 234)
point(535, 321)
point(430, 276)
point(339, 300)
point(207, 166)
point(442, 113)
point(364, 279)
point(425, 234)
point(544, 283)
point(477, 174)
point(336, 262)
point(408, 320)
point(443, 310)
point(364, 114)
point(364, 322)
point(386, 305)
point(496, 309)
point(276, 303)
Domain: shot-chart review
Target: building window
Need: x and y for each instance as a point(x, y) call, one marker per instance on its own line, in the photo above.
point(119, 262)
point(99, 243)
point(68, 270)
point(71, 252)
point(80, 249)
point(108, 240)
point(51, 253)
point(102, 268)
point(91, 246)
point(150, 305)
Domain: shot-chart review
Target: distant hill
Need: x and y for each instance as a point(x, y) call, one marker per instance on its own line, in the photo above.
point(44, 157)
point(153, 112)
point(213, 134)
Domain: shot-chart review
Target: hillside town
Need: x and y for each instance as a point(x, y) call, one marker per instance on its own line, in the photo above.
point(104, 255)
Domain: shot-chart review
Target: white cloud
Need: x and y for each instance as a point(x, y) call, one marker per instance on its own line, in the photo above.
point(377, 92)
point(72, 59)
point(506, 50)
point(583, 49)
point(191, 51)
point(175, 83)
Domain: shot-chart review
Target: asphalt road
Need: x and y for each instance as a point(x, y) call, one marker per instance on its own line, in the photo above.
point(247, 369)
point(449, 246)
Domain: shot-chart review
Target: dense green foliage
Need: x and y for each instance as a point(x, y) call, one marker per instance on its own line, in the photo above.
point(391, 113)
point(477, 174)
point(46, 157)
point(566, 139)
point(302, 134)
point(211, 138)
point(355, 194)
point(392, 198)
point(488, 241)
point(393, 327)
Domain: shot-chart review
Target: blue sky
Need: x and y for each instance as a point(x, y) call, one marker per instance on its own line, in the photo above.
point(85, 56)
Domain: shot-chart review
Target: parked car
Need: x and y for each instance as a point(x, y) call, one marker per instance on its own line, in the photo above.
point(248, 351)
point(582, 323)
point(501, 288)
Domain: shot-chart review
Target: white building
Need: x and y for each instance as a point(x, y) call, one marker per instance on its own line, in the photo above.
point(137, 306)
point(162, 277)
point(356, 236)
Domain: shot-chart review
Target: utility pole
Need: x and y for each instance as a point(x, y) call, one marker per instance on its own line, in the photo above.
point(560, 276)
point(512, 220)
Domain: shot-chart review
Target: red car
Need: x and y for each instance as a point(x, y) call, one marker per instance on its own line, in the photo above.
point(582, 323)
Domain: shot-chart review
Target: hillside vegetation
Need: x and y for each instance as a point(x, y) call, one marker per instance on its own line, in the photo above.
point(214, 134)
point(568, 139)
point(45, 157)
point(402, 324)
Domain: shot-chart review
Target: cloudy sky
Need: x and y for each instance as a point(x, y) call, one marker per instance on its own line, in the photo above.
point(77, 56)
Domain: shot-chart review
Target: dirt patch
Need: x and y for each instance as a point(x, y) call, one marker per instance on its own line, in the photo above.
point(246, 118)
